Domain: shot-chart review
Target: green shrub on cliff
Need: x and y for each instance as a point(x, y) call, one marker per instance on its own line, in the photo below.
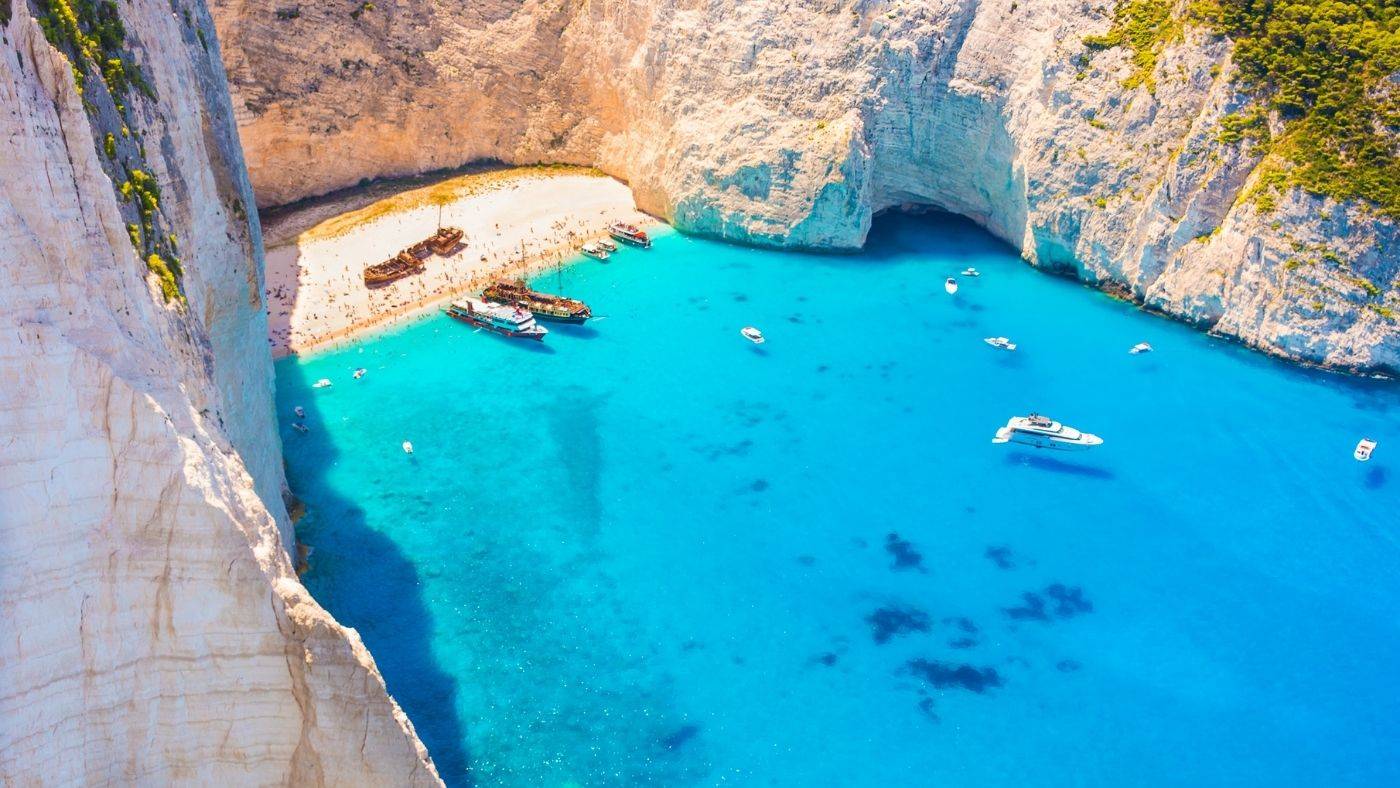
point(1320, 68)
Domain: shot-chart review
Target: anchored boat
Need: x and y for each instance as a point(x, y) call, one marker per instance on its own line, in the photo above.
point(498, 319)
point(1044, 433)
point(1364, 449)
point(629, 234)
point(606, 245)
point(1001, 343)
point(951, 285)
point(596, 250)
point(545, 306)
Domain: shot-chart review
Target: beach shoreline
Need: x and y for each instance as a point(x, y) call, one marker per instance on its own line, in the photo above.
point(517, 222)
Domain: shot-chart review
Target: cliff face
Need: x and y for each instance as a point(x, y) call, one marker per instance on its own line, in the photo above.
point(154, 630)
point(793, 123)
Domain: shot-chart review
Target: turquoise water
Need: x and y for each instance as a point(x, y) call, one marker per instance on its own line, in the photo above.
point(649, 552)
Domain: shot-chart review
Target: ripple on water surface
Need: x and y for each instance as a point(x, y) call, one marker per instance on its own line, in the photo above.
point(662, 555)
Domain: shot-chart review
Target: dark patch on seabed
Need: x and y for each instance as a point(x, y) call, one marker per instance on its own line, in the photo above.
point(680, 737)
point(1069, 602)
point(574, 425)
point(948, 675)
point(1001, 556)
point(904, 553)
point(892, 620)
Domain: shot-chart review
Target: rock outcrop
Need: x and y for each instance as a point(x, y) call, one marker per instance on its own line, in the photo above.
point(154, 631)
point(793, 123)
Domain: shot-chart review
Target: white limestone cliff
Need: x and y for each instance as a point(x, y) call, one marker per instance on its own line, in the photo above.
point(152, 630)
point(793, 123)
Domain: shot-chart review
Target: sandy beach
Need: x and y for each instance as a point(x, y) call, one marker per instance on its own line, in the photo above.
point(516, 221)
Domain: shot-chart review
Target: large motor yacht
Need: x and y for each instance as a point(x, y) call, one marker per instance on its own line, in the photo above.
point(506, 320)
point(1044, 433)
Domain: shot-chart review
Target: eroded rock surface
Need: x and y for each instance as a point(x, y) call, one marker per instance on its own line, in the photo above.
point(154, 631)
point(793, 123)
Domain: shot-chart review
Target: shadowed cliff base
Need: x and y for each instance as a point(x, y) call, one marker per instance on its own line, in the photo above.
point(392, 619)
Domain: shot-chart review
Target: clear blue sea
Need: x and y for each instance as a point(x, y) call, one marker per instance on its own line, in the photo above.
point(649, 552)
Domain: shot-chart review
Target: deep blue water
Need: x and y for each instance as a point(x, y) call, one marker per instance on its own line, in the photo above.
point(649, 552)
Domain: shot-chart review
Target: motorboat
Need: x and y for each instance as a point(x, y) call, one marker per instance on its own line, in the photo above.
point(1141, 347)
point(359, 373)
point(629, 234)
point(302, 428)
point(606, 244)
point(753, 335)
point(300, 411)
point(1364, 449)
point(1000, 342)
point(970, 271)
point(511, 321)
point(323, 383)
point(1045, 433)
point(951, 285)
point(595, 250)
point(408, 447)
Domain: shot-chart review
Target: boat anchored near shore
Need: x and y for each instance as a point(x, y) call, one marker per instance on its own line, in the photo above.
point(504, 320)
point(544, 306)
point(1044, 433)
point(595, 250)
point(629, 234)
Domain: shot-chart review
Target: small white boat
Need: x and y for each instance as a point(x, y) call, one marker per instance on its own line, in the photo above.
point(302, 428)
point(1141, 347)
point(970, 271)
point(300, 411)
point(753, 335)
point(595, 250)
point(1000, 342)
point(1043, 433)
point(1364, 449)
point(408, 447)
point(951, 285)
point(359, 373)
point(323, 383)
point(606, 244)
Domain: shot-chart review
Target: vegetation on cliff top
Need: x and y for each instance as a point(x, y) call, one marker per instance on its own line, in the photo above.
point(91, 34)
point(1320, 70)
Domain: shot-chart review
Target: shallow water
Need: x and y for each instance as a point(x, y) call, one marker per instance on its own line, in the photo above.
point(650, 552)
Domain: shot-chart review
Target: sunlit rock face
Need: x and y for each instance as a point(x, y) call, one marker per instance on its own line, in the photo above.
point(154, 630)
point(793, 123)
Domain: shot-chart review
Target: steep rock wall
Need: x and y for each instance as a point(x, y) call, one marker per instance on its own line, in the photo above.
point(154, 630)
point(792, 123)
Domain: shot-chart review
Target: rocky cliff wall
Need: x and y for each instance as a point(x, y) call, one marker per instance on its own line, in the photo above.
point(793, 122)
point(154, 630)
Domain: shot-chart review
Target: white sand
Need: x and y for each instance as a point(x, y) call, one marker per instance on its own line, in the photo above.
point(515, 221)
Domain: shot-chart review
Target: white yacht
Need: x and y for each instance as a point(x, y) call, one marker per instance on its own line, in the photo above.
point(1043, 433)
point(1141, 347)
point(1000, 342)
point(607, 244)
point(752, 334)
point(970, 271)
point(323, 383)
point(408, 447)
point(951, 285)
point(595, 250)
point(1364, 449)
point(505, 320)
